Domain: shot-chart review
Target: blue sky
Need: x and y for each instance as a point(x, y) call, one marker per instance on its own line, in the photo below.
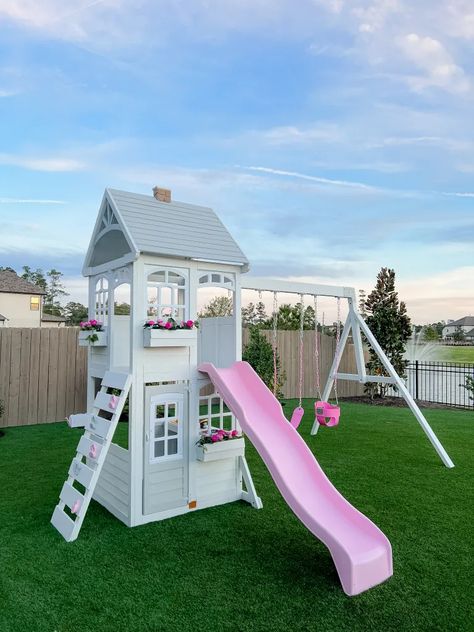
point(332, 137)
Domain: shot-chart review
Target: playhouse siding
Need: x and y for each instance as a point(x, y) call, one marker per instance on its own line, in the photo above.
point(113, 486)
point(217, 480)
point(176, 229)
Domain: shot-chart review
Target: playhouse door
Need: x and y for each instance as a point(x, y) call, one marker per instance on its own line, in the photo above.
point(165, 448)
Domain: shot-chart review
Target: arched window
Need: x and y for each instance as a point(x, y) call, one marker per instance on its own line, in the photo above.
point(167, 294)
point(101, 303)
point(217, 279)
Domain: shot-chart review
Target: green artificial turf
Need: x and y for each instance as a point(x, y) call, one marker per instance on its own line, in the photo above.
point(236, 568)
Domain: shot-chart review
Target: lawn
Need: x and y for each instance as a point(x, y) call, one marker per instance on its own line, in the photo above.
point(455, 354)
point(236, 568)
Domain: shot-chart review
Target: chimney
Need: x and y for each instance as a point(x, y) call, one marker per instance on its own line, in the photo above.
point(162, 195)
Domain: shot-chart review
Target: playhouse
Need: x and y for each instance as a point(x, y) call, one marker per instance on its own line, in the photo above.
point(184, 382)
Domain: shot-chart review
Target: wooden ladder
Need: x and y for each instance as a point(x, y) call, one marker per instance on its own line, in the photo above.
point(90, 456)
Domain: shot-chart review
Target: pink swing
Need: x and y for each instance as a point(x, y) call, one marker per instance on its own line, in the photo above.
point(326, 414)
point(298, 413)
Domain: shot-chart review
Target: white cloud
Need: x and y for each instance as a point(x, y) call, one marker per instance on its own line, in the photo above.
point(460, 194)
point(34, 163)
point(318, 179)
point(431, 57)
point(9, 200)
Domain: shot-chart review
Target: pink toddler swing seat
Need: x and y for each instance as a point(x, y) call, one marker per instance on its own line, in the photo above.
point(327, 414)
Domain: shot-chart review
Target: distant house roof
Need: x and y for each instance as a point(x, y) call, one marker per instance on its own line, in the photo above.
point(470, 333)
point(2, 317)
point(174, 229)
point(11, 283)
point(467, 321)
point(50, 318)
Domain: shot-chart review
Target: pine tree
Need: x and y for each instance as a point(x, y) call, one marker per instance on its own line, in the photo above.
point(388, 320)
point(54, 291)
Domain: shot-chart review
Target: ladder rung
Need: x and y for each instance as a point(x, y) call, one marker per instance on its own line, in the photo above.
point(104, 401)
point(99, 426)
point(87, 447)
point(81, 472)
point(115, 380)
point(63, 523)
point(70, 496)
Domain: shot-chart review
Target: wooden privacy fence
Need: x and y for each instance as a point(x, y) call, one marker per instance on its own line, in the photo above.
point(43, 371)
point(42, 375)
point(288, 351)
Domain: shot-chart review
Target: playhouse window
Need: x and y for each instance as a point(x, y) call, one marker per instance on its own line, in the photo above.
point(216, 279)
point(213, 413)
point(167, 295)
point(101, 299)
point(166, 427)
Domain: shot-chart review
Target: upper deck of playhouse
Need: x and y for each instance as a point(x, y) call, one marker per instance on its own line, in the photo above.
point(160, 252)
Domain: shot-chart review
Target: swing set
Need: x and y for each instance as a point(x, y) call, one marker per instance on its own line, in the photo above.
point(327, 413)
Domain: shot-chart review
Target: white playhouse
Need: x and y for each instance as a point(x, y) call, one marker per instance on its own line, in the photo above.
point(185, 383)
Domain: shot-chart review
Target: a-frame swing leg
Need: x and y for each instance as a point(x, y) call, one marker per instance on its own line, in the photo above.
point(334, 367)
point(404, 391)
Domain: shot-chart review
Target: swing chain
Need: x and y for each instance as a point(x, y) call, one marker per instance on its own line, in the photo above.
point(300, 391)
point(338, 342)
point(274, 343)
point(316, 350)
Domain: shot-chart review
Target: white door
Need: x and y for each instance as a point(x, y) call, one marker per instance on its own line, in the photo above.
point(166, 453)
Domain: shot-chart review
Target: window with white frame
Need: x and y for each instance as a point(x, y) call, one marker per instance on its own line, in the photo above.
point(217, 279)
point(213, 412)
point(166, 427)
point(167, 294)
point(101, 302)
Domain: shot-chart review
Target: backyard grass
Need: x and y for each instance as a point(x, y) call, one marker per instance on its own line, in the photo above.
point(236, 568)
point(454, 354)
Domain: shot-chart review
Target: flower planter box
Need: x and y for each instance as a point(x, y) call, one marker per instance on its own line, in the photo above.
point(221, 450)
point(172, 338)
point(84, 342)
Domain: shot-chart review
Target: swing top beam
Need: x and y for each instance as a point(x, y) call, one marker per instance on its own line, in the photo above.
point(262, 284)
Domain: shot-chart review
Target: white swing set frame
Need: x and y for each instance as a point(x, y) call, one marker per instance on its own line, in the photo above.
point(355, 324)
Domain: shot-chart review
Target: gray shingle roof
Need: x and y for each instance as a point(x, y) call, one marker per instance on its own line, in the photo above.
point(176, 229)
point(50, 318)
point(2, 317)
point(13, 284)
point(467, 321)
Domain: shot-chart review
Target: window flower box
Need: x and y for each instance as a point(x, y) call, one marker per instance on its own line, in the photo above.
point(169, 333)
point(92, 338)
point(172, 338)
point(221, 450)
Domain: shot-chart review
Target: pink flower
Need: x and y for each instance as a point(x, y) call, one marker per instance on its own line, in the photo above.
point(189, 323)
point(214, 438)
point(93, 323)
point(168, 325)
point(81, 324)
point(234, 433)
point(150, 323)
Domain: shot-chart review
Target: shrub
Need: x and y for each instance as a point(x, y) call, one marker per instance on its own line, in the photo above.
point(258, 352)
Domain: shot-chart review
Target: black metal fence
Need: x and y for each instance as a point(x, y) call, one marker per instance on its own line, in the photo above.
point(440, 382)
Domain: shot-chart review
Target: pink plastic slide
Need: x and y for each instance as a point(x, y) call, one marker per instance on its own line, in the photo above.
point(361, 552)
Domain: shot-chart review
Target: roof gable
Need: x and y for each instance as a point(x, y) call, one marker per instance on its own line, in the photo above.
point(175, 229)
point(110, 241)
point(11, 283)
